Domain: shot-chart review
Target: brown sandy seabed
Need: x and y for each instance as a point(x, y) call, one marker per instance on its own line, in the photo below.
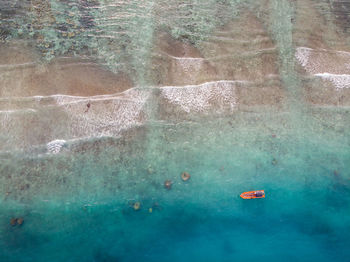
point(236, 70)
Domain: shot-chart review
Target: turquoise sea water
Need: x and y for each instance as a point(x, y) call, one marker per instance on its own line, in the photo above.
point(77, 205)
point(304, 217)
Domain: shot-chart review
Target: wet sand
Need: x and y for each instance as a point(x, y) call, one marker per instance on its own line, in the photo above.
point(64, 76)
point(67, 98)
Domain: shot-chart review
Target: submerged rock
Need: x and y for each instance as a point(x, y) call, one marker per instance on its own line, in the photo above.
point(20, 221)
point(137, 206)
point(185, 176)
point(168, 184)
point(335, 173)
point(13, 221)
point(150, 170)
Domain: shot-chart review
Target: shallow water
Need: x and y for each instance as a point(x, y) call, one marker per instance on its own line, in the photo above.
point(229, 91)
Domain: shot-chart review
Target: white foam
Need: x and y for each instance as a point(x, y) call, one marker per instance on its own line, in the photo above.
point(302, 54)
point(107, 116)
point(17, 111)
point(339, 81)
point(314, 65)
point(323, 59)
point(340, 52)
point(55, 146)
point(199, 98)
point(317, 60)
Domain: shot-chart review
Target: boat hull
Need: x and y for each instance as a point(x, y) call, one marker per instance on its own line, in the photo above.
point(252, 194)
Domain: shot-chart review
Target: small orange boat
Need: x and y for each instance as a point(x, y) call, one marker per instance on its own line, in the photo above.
point(253, 194)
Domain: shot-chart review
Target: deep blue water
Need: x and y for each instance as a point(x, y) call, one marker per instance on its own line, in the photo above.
point(279, 226)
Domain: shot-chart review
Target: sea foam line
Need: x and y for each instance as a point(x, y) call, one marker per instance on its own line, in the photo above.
point(209, 83)
point(303, 54)
point(38, 97)
point(199, 98)
point(339, 81)
point(17, 111)
point(14, 66)
point(323, 50)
